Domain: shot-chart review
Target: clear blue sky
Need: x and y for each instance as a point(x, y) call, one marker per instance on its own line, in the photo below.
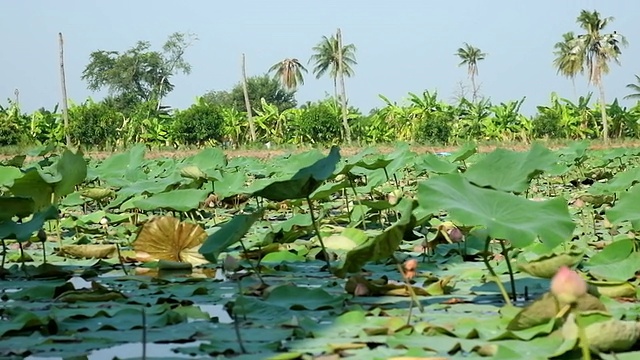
point(402, 45)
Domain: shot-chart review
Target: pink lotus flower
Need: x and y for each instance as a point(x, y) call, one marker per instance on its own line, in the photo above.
point(567, 285)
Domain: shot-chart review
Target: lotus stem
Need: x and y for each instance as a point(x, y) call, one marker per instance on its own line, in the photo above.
point(355, 194)
point(144, 334)
point(317, 230)
point(124, 268)
point(346, 203)
point(494, 276)
point(584, 341)
point(255, 269)
point(511, 279)
point(4, 252)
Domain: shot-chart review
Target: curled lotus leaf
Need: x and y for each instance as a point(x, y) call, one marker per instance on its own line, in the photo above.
point(547, 266)
point(192, 172)
point(612, 289)
point(90, 251)
point(167, 238)
point(605, 336)
point(97, 193)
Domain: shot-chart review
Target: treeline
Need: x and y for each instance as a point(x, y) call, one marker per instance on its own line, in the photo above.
point(219, 118)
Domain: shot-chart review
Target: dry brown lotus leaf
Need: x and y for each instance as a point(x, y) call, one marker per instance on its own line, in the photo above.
point(89, 251)
point(167, 238)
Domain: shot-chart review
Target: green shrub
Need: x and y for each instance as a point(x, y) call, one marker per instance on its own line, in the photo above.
point(10, 132)
point(94, 124)
point(546, 126)
point(320, 122)
point(13, 125)
point(197, 124)
point(435, 128)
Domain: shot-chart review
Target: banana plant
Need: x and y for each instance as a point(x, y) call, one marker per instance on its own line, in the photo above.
point(505, 122)
point(624, 122)
point(397, 118)
point(235, 125)
point(470, 119)
point(47, 126)
point(267, 119)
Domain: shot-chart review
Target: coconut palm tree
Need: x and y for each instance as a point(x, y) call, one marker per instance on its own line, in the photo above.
point(598, 49)
point(569, 58)
point(289, 72)
point(331, 56)
point(470, 56)
point(635, 88)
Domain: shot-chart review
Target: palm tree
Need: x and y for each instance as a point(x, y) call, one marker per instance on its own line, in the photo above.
point(597, 49)
point(331, 56)
point(470, 56)
point(569, 58)
point(635, 88)
point(289, 71)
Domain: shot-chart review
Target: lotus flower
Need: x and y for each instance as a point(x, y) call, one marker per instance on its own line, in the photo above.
point(567, 285)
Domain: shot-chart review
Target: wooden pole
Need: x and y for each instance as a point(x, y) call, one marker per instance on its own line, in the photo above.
point(63, 84)
point(345, 120)
point(247, 103)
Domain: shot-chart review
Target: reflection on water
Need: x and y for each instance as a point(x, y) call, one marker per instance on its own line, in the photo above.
point(217, 311)
point(134, 351)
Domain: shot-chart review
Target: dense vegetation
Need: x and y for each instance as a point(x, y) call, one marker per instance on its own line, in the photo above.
point(139, 78)
point(314, 255)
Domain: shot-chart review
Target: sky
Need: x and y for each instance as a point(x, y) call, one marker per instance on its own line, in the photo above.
point(402, 46)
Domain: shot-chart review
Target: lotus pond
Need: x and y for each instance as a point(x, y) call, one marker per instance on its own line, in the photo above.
point(317, 255)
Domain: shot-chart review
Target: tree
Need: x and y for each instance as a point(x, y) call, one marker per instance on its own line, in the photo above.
point(596, 49)
point(139, 73)
point(470, 56)
point(289, 72)
point(262, 86)
point(331, 56)
point(569, 58)
point(635, 88)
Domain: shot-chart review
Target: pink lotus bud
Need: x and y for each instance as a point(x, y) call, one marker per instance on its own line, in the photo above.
point(361, 290)
point(455, 235)
point(567, 285)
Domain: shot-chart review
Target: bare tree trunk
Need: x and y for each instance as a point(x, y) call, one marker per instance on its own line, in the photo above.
point(16, 92)
point(474, 89)
point(603, 113)
point(345, 121)
point(575, 92)
point(63, 84)
point(247, 103)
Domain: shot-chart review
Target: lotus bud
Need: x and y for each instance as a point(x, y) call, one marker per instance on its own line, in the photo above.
point(567, 285)
point(410, 267)
point(42, 235)
point(455, 235)
point(361, 290)
point(230, 264)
